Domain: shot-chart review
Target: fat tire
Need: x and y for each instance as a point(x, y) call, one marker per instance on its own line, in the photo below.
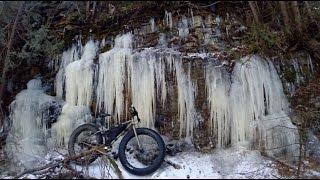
point(73, 138)
point(157, 162)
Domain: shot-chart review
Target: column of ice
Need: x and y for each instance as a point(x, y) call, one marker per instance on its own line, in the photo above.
point(70, 118)
point(79, 77)
point(217, 88)
point(68, 56)
point(259, 107)
point(298, 70)
point(112, 76)
point(310, 64)
point(254, 110)
point(192, 18)
point(183, 27)
point(279, 130)
point(152, 24)
point(168, 19)
point(186, 95)
point(27, 137)
point(160, 73)
point(143, 86)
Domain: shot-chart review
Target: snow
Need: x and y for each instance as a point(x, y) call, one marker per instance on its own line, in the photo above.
point(221, 163)
point(199, 55)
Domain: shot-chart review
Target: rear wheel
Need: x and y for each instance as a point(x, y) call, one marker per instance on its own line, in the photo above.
point(82, 139)
point(142, 161)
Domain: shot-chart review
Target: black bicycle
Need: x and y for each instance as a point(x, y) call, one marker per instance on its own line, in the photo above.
point(141, 150)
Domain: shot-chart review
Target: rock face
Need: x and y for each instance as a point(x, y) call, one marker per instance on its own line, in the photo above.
point(186, 91)
point(295, 71)
point(177, 74)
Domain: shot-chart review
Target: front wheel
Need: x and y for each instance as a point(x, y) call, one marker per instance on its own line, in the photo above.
point(82, 139)
point(145, 160)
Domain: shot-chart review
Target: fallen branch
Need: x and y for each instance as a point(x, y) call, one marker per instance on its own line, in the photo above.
point(176, 166)
point(282, 163)
point(51, 165)
point(114, 165)
point(56, 164)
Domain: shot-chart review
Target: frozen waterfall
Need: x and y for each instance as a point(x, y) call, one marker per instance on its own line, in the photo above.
point(246, 107)
point(26, 141)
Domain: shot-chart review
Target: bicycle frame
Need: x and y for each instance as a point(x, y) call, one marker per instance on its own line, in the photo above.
point(130, 124)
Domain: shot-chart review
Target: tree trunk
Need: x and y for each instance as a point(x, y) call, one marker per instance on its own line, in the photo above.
point(255, 11)
point(87, 9)
point(285, 15)
point(309, 10)
point(296, 14)
point(7, 59)
point(94, 8)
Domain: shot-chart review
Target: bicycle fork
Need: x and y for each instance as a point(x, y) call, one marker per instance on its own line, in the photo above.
point(135, 133)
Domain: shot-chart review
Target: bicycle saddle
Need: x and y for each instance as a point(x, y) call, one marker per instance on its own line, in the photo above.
point(103, 115)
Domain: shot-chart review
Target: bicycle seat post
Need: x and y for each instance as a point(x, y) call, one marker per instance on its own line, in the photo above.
point(102, 117)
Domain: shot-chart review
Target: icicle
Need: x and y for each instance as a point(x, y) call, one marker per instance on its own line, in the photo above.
point(253, 110)
point(160, 66)
point(103, 43)
point(67, 57)
point(79, 77)
point(218, 26)
point(192, 17)
point(183, 29)
point(112, 70)
point(143, 87)
point(298, 71)
point(186, 95)
point(162, 40)
point(310, 64)
point(218, 85)
point(152, 24)
point(256, 98)
point(71, 117)
point(168, 19)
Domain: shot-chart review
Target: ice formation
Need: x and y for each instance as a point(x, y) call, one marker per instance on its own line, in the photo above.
point(183, 27)
point(186, 100)
point(218, 87)
point(251, 109)
point(152, 24)
point(26, 141)
point(79, 77)
point(246, 106)
point(112, 70)
point(168, 19)
point(68, 56)
point(71, 117)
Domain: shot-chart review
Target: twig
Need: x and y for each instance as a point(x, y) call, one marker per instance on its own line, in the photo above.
point(281, 162)
point(176, 166)
point(114, 165)
point(209, 4)
point(51, 165)
point(56, 164)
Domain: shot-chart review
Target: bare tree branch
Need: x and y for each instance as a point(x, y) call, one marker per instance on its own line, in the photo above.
point(297, 16)
point(285, 14)
point(255, 12)
point(7, 57)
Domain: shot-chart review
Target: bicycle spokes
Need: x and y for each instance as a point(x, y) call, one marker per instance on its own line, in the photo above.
point(142, 157)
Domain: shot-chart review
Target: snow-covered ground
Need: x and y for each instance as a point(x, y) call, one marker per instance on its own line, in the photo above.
point(227, 163)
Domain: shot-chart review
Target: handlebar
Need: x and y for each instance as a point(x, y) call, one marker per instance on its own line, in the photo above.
point(134, 112)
